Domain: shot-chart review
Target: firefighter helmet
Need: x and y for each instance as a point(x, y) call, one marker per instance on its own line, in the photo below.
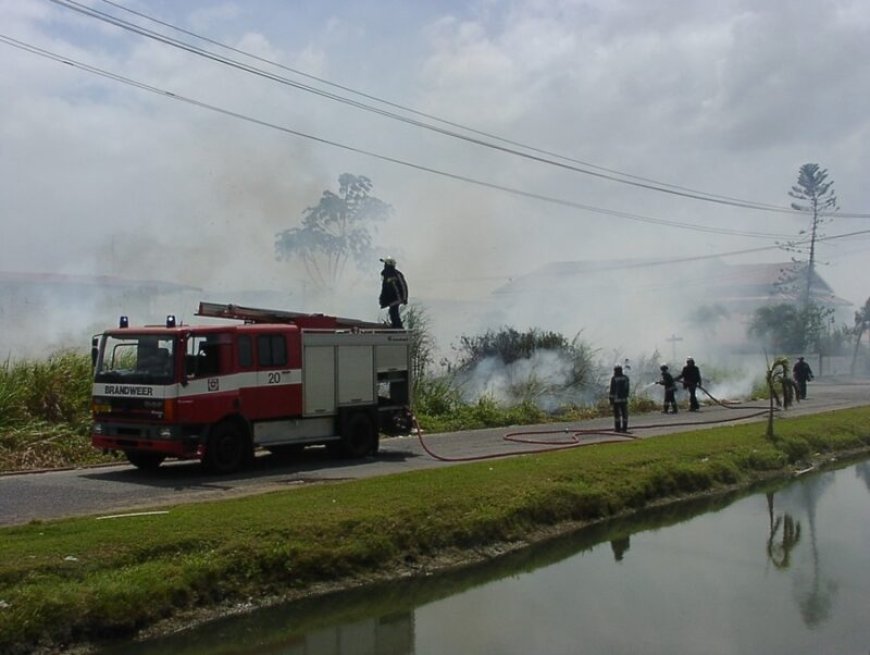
point(389, 261)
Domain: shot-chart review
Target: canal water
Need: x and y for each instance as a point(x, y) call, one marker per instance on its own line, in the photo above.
point(784, 570)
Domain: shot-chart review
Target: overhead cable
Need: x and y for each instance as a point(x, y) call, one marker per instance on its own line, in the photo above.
point(417, 112)
point(420, 167)
point(601, 172)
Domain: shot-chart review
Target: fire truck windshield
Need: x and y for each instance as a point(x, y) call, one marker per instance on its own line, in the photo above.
point(136, 359)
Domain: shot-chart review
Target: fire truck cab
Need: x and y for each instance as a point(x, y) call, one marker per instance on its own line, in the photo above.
point(267, 379)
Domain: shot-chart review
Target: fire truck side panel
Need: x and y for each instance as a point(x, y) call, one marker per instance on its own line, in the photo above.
point(294, 431)
point(391, 358)
point(356, 377)
point(319, 380)
point(342, 369)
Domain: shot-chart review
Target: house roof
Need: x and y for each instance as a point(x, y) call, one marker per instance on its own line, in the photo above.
point(63, 280)
point(747, 283)
point(567, 273)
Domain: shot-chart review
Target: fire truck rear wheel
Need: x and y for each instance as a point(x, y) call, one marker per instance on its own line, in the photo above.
point(143, 460)
point(359, 437)
point(228, 449)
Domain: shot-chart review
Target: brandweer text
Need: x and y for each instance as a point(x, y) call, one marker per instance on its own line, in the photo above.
point(124, 390)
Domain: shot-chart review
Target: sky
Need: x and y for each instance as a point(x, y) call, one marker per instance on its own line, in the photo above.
point(187, 169)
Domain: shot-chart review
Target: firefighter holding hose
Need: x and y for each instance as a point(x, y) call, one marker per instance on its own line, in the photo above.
point(667, 381)
point(690, 376)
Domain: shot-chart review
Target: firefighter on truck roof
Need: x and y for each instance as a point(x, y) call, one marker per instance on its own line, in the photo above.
point(394, 291)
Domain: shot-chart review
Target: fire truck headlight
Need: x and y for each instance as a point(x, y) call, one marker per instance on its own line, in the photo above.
point(98, 428)
point(165, 433)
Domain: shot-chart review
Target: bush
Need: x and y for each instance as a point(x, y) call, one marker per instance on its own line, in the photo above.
point(416, 321)
point(535, 367)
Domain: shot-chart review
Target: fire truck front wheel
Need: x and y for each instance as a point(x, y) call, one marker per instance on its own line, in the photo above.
point(359, 437)
point(228, 448)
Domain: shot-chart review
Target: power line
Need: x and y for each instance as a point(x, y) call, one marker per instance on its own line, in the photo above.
point(418, 112)
point(420, 167)
point(663, 263)
point(601, 172)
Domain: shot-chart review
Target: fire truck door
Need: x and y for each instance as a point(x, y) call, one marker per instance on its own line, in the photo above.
point(279, 389)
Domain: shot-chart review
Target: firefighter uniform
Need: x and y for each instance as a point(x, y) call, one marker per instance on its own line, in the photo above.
point(691, 379)
point(394, 291)
point(802, 374)
point(619, 389)
point(667, 381)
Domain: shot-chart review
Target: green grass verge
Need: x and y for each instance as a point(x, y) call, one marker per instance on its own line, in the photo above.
point(72, 580)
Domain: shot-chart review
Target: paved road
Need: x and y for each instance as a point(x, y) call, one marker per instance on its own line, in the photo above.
point(116, 489)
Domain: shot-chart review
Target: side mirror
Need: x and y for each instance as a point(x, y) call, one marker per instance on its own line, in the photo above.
point(95, 351)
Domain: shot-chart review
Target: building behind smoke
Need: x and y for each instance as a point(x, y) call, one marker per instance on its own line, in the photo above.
point(702, 307)
point(742, 289)
point(44, 312)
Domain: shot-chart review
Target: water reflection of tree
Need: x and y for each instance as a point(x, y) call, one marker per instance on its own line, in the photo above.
point(780, 553)
point(816, 601)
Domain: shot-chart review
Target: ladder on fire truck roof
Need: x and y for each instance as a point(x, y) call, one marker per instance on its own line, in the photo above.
point(258, 315)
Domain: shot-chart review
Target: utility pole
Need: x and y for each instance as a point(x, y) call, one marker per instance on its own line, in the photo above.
point(673, 339)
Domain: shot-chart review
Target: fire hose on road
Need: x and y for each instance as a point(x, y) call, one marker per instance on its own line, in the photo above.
point(572, 437)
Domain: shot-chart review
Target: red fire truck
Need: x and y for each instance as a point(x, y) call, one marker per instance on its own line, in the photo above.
point(266, 379)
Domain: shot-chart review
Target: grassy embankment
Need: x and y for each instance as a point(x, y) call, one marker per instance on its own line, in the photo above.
point(79, 579)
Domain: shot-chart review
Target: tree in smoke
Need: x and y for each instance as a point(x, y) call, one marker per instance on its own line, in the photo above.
point(334, 232)
point(707, 317)
point(816, 195)
point(793, 328)
point(787, 328)
point(862, 324)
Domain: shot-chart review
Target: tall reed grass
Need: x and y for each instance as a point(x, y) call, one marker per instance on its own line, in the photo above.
point(56, 390)
point(44, 412)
